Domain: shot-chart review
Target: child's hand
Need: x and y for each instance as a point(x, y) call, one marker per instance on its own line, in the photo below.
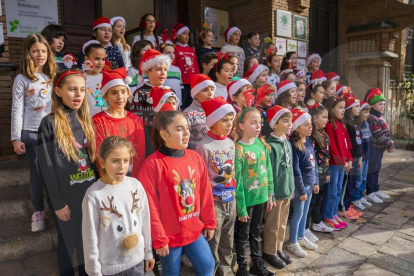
point(359, 164)
point(149, 265)
point(303, 197)
point(208, 234)
point(19, 147)
point(244, 219)
point(316, 189)
point(389, 150)
point(293, 196)
point(328, 179)
point(63, 214)
point(163, 251)
point(269, 204)
point(347, 166)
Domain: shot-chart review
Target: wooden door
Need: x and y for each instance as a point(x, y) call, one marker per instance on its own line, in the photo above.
point(170, 12)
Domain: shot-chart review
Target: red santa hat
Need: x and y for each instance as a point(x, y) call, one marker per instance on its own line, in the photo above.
point(199, 82)
point(101, 22)
point(111, 78)
point(284, 86)
point(153, 58)
point(350, 101)
point(159, 95)
point(216, 109)
point(262, 92)
point(317, 77)
point(166, 107)
point(364, 104)
point(274, 114)
point(180, 28)
point(300, 73)
point(87, 43)
point(87, 65)
point(332, 76)
point(312, 57)
point(299, 117)
point(116, 18)
point(229, 31)
point(254, 72)
point(339, 89)
point(69, 60)
point(235, 86)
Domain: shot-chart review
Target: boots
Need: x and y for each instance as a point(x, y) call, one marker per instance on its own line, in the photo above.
point(242, 270)
point(259, 268)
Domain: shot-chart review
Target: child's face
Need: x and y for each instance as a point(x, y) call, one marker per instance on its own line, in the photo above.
point(302, 78)
point(184, 37)
point(103, 35)
point(336, 82)
point(98, 57)
point(252, 124)
point(364, 115)
point(305, 129)
point(172, 101)
point(356, 110)
point(253, 61)
point(151, 23)
point(169, 51)
point(207, 67)
point(314, 65)
point(339, 110)
point(205, 94)
point(72, 91)
point(254, 41)
point(294, 60)
point(209, 39)
point(275, 63)
point(262, 77)
point(116, 164)
point(146, 48)
point(318, 95)
point(321, 120)
point(234, 38)
point(225, 75)
point(38, 53)
point(293, 95)
point(223, 126)
point(157, 74)
point(291, 77)
point(234, 64)
point(177, 134)
point(117, 96)
point(271, 46)
point(267, 101)
point(379, 106)
point(57, 44)
point(330, 91)
point(283, 126)
point(119, 29)
point(301, 92)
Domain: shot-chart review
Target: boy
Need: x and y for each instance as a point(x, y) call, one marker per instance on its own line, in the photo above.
point(280, 120)
point(164, 98)
point(254, 42)
point(217, 151)
point(208, 61)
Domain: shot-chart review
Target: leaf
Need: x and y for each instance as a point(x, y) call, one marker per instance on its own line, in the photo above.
point(16, 22)
point(11, 23)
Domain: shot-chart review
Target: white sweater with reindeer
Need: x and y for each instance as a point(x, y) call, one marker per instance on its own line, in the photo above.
point(115, 227)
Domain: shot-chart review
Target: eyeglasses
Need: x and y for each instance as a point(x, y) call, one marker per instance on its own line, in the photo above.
point(105, 30)
point(151, 21)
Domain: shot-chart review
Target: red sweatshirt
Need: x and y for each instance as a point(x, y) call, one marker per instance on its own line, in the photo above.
point(180, 198)
point(340, 145)
point(130, 127)
point(186, 60)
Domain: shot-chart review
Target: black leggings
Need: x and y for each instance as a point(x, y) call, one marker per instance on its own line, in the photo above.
point(315, 206)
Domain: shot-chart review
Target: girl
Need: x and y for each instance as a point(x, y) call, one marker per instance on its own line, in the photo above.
point(234, 65)
point(235, 91)
point(314, 94)
point(333, 76)
point(330, 89)
point(148, 26)
point(111, 218)
point(305, 171)
point(287, 94)
point(264, 51)
point(205, 40)
point(273, 63)
point(31, 94)
point(222, 75)
point(180, 197)
point(300, 76)
point(136, 54)
point(289, 61)
point(254, 192)
point(250, 61)
point(312, 64)
point(301, 93)
point(118, 40)
point(257, 74)
point(66, 149)
point(232, 38)
point(287, 75)
point(56, 37)
point(264, 99)
point(340, 161)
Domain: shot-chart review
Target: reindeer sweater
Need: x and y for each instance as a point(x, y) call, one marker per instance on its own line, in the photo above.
point(116, 228)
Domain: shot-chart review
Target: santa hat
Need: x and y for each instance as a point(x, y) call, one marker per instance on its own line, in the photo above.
point(159, 95)
point(274, 113)
point(69, 60)
point(364, 104)
point(101, 22)
point(254, 72)
point(111, 78)
point(284, 86)
point(299, 117)
point(87, 43)
point(152, 58)
point(375, 95)
point(235, 86)
point(311, 57)
point(300, 73)
point(166, 107)
point(339, 89)
point(317, 77)
point(262, 92)
point(216, 109)
point(332, 76)
point(116, 18)
point(199, 82)
point(350, 101)
point(87, 65)
point(229, 31)
point(180, 28)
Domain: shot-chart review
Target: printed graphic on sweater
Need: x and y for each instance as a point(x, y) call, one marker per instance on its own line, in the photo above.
point(185, 189)
point(223, 165)
point(39, 94)
point(312, 159)
point(84, 172)
point(99, 101)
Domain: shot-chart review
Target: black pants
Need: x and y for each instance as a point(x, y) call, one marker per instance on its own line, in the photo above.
point(348, 191)
point(315, 206)
point(249, 232)
point(186, 96)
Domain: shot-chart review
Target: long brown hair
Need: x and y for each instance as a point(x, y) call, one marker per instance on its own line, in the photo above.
point(161, 122)
point(315, 112)
point(330, 105)
point(300, 103)
point(123, 41)
point(27, 67)
point(298, 140)
point(63, 131)
point(284, 100)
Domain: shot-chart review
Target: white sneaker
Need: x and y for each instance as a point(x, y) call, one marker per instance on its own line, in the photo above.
point(186, 261)
point(358, 204)
point(365, 202)
point(307, 243)
point(297, 250)
point(373, 198)
point(382, 195)
point(311, 237)
point(322, 227)
point(38, 221)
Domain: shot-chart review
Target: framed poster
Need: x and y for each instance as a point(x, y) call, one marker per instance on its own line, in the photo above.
point(220, 22)
point(302, 51)
point(283, 23)
point(299, 27)
point(292, 46)
point(280, 46)
point(301, 64)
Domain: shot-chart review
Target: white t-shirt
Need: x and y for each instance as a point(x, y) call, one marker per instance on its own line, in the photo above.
point(93, 94)
point(150, 38)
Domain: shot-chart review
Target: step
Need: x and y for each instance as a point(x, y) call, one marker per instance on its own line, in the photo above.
point(14, 173)
point(42, 264)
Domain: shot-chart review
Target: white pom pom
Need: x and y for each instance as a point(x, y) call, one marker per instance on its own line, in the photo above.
point(128, 80)
point(166, 88)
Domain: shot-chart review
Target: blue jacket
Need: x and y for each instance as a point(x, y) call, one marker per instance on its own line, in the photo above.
point(113, 55)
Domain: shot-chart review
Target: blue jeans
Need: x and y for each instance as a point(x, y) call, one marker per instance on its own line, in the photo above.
point(333, 192)
point(199, 254)
point(299, 215)
point(373, 171)
point(361, 181)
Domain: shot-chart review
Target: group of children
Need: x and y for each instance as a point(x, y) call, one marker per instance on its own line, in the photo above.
point(131, 178)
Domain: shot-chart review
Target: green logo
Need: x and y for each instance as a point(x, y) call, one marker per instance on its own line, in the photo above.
point(14, 24)
point(284, 19)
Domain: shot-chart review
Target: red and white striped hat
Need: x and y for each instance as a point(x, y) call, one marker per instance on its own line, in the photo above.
point(101, 22)
point(274, 113)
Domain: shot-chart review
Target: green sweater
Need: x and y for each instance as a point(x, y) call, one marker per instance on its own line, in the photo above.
point(281, 159)
point(253, 174)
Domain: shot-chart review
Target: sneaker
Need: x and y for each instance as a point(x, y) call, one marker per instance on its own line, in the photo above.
point(259, 268)
point(382, 195)
point(349, 215)
point(274, 260)
point(358, 204)
point(373, 198)
point(365, 202)
point(311, 237)
point(340, 221)
point(284, 257)
point(333, 224)
point(297, 250)
point(242, 270)
point(356, 212)
point(186, 261)
point(38, 221)
point(322, 227)
point(307, 243)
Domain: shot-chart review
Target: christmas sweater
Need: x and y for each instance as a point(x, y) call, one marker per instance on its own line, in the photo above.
point(186, 60)
point(339, 145)
point(113, 55)
point(31, 101)
point(380, 133)
point(252, 52)
point(59, 61)
point(196, 118)
point(239, 53)
point(66, 181)
point(367, 143)
point(273, 79)
point(253, 174)
point(179, 195)
point(221, 91)
point(93, 94)
point(322, 153)
point(201, 51)
point(266, 129)
point(129, 127)
point(218, 155)
point(141, 105)
point(356, 141)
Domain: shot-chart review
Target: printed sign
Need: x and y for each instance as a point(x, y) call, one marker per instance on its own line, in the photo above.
point(292, 45)
point(302, 49)
point(283, 23)
point(301, 64)
point(299, 27)
point(2, 49)
point(280, 46)
point(220, 22)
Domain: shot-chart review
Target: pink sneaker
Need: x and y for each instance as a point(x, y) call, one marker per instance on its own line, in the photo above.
point(333, 224)
point(340, 221)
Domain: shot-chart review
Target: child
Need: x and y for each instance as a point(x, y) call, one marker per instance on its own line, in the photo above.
point(56, 36)
point(66, 149)
point(234, 66)
point(273, 63)
point(232, 38)
point(250, 61)
point(312, 63)
point(221, 74)
point(31, 94)
point(148, 26)
point(340, 161)
point(306, 181)
point(382, 141)
point(180, 197)
point(254, 43)
point(118, 24)
point(254, 191)
point(136, 54)
point(301, 94)
point(314, 95)
point(333, 77)
point(330, 88)
point(116, 230)
point(205, 40)
point(287, 75)
point(289, 61)
point(300, 76)
point(235, 90)
point(257, 73)
point(217, 151)
point(264, 99)
point(202, 89)
point(162, 97)
point(284, 185)
point(208, 61)
point(286, 94)
point(264, 50)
